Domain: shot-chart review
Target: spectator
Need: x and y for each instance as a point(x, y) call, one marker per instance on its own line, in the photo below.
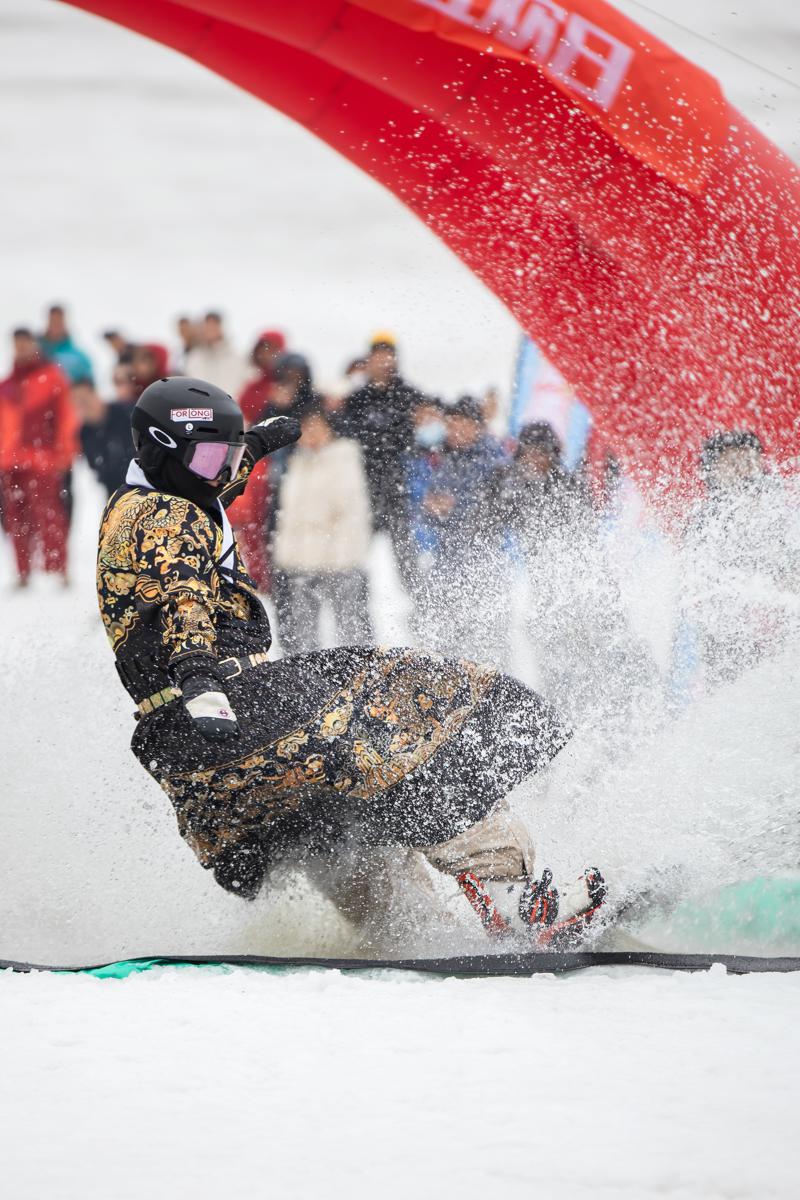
point(534, 496)
point(250, 514)
point(122, 348)
point(189, 337)
point(105, 431)
point(293, 386)
point(732, 464)
point(457, 587)
point(380, 415)
point(423, 463)
point(149, 362)
point(351, 380)
point(292, 392)
point(470, 456)
point(322, 538)
point(38, 442)
point(590, 663)
point(214, 359)
point(741, 559)
point(57, 345)
point(256, 398)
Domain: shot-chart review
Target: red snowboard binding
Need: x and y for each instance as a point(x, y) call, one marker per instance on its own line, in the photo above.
point(490, 918)
point(556, 923)
point(560, 923)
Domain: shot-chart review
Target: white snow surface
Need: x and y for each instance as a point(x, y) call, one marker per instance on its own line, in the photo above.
point(133, 186)
point(193, 1084)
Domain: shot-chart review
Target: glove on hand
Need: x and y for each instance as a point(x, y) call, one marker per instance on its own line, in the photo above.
point(270, 435)
point(204, 701)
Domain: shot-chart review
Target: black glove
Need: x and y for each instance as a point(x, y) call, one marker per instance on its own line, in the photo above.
point(270, 435)
point(203, 698)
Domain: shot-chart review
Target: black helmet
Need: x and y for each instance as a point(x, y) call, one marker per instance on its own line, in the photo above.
point(195, 422)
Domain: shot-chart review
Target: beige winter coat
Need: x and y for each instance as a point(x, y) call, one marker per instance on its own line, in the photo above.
point(218, 364)
point(324, 519)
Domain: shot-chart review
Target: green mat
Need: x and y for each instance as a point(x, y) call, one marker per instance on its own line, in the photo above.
point(765, 912)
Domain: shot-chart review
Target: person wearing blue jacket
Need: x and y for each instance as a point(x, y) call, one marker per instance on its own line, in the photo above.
point(57, 345)
point(458, 583)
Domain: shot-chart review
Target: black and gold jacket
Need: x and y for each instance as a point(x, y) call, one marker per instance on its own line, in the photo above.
point(164, 591)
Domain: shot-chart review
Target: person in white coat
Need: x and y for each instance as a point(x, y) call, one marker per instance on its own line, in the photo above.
point(214, 359)
point(322, 538)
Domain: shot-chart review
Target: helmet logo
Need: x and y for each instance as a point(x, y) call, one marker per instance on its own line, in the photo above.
point(160, 436)
point(191, 414)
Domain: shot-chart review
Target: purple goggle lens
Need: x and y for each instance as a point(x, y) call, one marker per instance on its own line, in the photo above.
point(210, 459)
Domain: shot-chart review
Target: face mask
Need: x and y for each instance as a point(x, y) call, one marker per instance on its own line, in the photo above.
point(430, 434)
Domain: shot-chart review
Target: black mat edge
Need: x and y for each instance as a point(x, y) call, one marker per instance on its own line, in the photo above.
point(474, 965)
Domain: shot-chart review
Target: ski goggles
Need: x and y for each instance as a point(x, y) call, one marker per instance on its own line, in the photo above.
point(209, 459)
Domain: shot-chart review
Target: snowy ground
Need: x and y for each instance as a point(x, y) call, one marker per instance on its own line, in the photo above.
point(134, 186)
point(596, 1087)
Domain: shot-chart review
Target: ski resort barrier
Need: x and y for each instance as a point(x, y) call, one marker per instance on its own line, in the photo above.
point(464, 966)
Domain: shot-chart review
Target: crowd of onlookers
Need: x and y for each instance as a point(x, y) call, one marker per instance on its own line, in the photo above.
point(464, 507)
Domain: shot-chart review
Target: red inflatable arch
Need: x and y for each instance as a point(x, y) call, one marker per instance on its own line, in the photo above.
point(638, 227)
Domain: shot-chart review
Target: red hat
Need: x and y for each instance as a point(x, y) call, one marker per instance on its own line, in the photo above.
point(274, 337)
point(160, 354)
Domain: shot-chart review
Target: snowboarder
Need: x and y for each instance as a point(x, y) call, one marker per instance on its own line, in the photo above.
point(382, 747)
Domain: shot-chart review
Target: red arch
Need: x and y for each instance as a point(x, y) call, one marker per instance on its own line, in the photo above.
point(650, 246)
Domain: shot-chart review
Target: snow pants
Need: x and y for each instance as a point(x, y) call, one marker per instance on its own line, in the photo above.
point(36, 519)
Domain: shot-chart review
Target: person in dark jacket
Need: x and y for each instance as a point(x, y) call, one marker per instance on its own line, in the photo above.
point(384, 747)
point(533, 496)
point(380, 415)
point(105, 430)
point(122, 348)
point(293, 385)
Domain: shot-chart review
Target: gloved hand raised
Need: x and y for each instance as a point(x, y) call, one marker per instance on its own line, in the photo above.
point(204, 700)
point(270, 435)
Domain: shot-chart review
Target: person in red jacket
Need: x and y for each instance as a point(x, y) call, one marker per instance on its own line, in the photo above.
point(250, 513)
point(256, 396)
point(38, 443)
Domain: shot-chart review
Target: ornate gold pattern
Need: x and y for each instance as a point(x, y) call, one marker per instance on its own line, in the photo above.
point(367, 737)
point(159, 552)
